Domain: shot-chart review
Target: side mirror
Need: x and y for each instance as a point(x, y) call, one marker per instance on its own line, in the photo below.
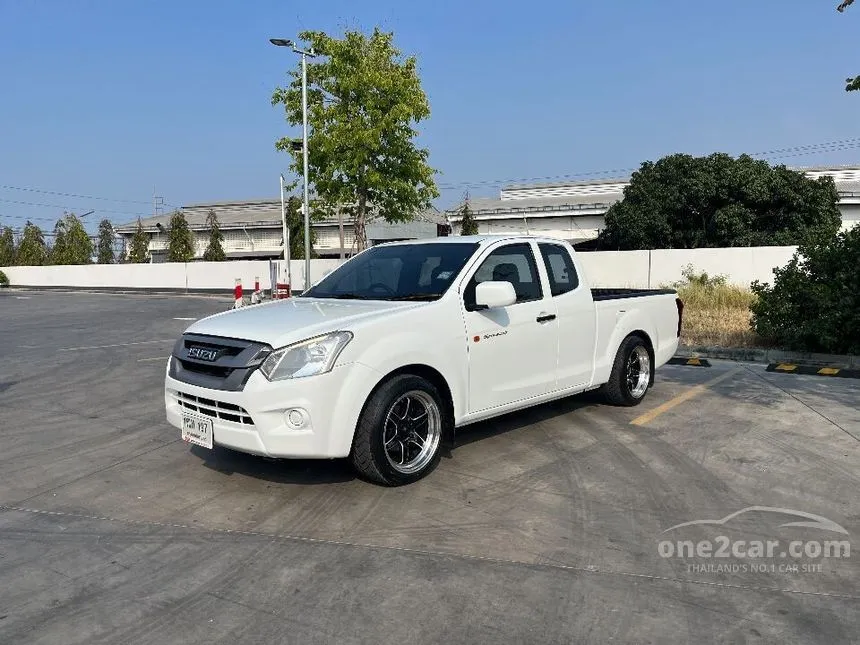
point(491, 294)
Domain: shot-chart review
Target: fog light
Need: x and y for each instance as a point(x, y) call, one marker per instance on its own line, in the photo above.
point(295, 418)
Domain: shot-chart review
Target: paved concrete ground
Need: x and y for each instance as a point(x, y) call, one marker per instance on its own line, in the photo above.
point(540, 527)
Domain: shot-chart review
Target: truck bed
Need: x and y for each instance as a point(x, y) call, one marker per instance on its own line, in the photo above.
point(615, 294)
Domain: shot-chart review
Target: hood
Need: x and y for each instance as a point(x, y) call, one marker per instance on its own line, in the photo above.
point(287, 321)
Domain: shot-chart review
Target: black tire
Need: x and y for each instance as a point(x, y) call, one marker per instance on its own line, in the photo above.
point(369, 456)
point(617, 390)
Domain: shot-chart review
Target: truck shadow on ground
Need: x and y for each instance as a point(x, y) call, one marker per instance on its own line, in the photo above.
point(278, 471)
point(523, 418)
point(334, 471)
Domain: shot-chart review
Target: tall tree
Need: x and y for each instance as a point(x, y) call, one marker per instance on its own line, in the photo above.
point(851, 84)
point(138, 251)
point(180, 239)
point(468, 224)
point(688, 202)
point(215, 250)
point(105, 243)
point(32, 250)
point(72, 244)
point(7, 247)
point(364, 100)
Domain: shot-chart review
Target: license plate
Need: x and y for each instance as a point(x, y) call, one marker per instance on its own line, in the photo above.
point(197, 430)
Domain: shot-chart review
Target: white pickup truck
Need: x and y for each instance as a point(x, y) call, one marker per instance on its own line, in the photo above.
point(382, 359)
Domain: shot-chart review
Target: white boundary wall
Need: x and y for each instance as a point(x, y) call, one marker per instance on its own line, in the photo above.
point(181, 276)
point(640, 269)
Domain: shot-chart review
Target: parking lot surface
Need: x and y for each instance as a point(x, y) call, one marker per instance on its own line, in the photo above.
point(551, 525)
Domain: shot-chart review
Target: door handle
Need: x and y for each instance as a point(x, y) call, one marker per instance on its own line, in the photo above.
point(545, 318)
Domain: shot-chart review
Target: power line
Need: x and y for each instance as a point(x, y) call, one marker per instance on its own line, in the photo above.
point(54, 192)
point(66, 207)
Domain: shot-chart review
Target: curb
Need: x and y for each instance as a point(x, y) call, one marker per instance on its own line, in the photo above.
point(773, 356)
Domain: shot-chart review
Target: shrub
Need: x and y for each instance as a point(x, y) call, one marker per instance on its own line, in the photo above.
point(4, 281)
point(814, 303)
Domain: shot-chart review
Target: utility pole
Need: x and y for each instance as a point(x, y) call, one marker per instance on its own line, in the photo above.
point(286, 235)
point(340, 228)
point(281, 42)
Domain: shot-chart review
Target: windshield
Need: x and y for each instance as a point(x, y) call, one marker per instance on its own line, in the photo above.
point(396, 272)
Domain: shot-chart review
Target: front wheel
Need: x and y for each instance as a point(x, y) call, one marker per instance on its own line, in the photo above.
point(397, 439)
point(631, 373)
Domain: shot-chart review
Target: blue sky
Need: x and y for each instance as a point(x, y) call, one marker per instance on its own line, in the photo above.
point(120, 100)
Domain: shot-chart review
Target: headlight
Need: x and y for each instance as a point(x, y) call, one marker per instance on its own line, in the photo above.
point(307, 358)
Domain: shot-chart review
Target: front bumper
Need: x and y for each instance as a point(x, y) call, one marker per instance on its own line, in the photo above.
point(311, 417)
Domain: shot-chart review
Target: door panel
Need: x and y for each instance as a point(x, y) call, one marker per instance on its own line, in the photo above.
point(576, 317)
point(512, 355)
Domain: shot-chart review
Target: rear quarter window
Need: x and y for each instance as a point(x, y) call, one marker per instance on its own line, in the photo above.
point(560, 269)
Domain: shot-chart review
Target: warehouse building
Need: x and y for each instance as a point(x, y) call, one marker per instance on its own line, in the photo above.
point(253, 230)
point(574, 211)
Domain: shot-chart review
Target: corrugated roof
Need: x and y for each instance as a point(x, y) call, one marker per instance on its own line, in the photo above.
point(626, 178)
point(247, 213)
point(487, 205)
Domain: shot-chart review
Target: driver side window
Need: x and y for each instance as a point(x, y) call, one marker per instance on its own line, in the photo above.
point(514, 263)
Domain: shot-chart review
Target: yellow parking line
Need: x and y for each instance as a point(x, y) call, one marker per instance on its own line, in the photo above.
point(156, 358)
point(829, 371)
point(678, 400)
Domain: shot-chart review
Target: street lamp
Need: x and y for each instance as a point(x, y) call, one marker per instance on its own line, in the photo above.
point(281, 42)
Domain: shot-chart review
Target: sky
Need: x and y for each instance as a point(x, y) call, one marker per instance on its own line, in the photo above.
point(105, 104)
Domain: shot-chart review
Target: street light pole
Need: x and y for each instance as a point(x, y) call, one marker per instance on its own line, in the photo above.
point(307, 212)
point(281, 42)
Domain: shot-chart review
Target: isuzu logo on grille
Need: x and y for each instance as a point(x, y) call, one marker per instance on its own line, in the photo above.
point(202, 353)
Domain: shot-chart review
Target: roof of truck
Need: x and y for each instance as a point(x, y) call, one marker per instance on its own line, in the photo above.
point(467, 239)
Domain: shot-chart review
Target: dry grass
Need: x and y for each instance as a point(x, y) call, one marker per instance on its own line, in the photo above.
point(717, 315)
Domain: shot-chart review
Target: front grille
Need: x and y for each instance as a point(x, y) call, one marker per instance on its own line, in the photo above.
point(214, 409)
point(229, 368)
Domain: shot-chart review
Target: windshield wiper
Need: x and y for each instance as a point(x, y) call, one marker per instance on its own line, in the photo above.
point(341, 296)
point(416, 296)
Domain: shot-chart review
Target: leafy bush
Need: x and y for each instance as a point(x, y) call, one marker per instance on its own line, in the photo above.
point(4, 281)
point(814, 303)
point(686, 202)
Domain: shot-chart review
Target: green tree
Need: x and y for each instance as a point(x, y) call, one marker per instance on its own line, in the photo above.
point(851, 84)
point(468, 224)
point(180, 239)
point(296, 228)
point(72, 244)
point(814, 303)
point(364, 99)
point(138, 251)
point(32, 250)
point(689, 202)
point(7, 247)
point(105, 243)
point(215, 250)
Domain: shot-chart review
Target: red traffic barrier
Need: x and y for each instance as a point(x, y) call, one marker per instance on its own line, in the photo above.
point(237, 294)
point(282, 290)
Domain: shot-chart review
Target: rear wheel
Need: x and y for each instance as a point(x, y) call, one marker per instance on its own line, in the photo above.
point(397, 439)
point(631, 373)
